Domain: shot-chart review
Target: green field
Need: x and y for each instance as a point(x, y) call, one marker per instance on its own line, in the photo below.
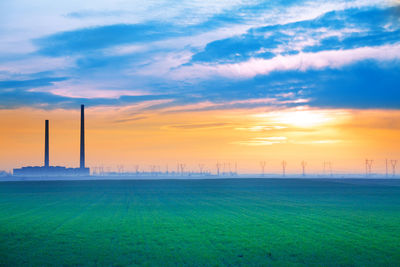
point(249, 222)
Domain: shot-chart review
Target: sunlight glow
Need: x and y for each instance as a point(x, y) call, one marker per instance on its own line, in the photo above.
point(303, 117)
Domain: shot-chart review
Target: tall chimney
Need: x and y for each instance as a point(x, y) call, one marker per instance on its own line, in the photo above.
point(82, 162)
point(46, 144)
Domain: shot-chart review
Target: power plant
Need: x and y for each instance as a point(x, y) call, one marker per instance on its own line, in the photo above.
point(46, 169)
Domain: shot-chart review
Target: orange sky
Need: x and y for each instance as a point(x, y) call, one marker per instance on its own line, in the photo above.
point(116, 137)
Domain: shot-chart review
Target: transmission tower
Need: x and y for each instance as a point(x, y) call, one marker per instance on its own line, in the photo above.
point(101, 170)
point(262, 164)
point(386, 165)
point(284, 164)
point(218, 165)
point(182, 166)
point(136, 169)
point(393, 163)
point(303, 166)
point(120, 169)
point(236, 169)
point(152, 169)
point(201, 168)
point(330, 168)
point(368, 167)
point(327, 168)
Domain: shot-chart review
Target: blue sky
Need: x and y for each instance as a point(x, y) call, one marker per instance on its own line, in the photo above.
point(178, 54)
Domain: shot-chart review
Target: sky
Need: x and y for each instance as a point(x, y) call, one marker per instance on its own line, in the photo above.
point(201, 82)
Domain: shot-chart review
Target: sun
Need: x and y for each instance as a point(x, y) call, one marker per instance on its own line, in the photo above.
point(302, 117)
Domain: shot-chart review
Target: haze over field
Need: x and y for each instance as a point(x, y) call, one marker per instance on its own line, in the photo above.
point(200, 82)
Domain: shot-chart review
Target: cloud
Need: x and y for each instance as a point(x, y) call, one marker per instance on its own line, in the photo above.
point(317, 142)
point(261, 128)
point(344, 29)
point(206, 55)
point(262, 141)
point(374, 119)
point(132, 119)
point(300, 62)
point(88, 39)
point(197, 126)
point(34, 64)
point(97, 13)
point(233, 104)
point(38, 93)
point(365, 85)
point(15, 84)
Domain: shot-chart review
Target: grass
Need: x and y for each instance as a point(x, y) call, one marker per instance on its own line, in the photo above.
point(250, 222)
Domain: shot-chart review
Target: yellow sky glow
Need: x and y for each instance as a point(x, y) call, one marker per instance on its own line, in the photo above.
point(121, 136)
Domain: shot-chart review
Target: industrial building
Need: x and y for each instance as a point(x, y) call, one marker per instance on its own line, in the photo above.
point(46, 169)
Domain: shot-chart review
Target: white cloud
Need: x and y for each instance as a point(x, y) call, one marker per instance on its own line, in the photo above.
point(317, 142)
point(300, 62)
point(215, 105)
point(24, 20)
point(272, 138)
point(303, 117)
point(35, 64)
point(80, 88)
point(261, 128)
point(262, 141)
point(83, 92)
point(312, 9)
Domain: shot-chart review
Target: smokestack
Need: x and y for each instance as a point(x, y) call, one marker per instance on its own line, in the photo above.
point(46, 144)
point(82, 162)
